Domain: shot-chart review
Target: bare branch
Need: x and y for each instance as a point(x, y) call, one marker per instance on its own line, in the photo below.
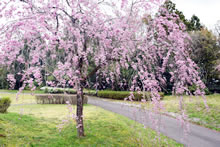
point(92, 72)
point(101, 1)
point(68, 3)
point(57, 19)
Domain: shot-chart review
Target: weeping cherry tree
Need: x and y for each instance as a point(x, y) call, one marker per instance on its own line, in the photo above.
point(82, 38)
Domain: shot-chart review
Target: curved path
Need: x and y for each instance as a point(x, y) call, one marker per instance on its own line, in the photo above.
point(198, 136)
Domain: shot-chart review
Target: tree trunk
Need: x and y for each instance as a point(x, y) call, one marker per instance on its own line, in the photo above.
point(79, 111)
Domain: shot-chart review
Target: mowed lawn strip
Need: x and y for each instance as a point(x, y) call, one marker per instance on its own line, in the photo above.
point(22, 99)
point(36, 125)
point(24, 91)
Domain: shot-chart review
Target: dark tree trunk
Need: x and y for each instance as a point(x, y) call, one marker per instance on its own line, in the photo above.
point(79, 108)
point(79, 111)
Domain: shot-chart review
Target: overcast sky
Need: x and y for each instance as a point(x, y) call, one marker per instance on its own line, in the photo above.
point(207, 10)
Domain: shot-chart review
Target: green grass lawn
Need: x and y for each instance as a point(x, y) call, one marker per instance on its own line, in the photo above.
point(36, 125)
point(24, 91)
point(86, 91)
point(22, 99)
point(195, 109)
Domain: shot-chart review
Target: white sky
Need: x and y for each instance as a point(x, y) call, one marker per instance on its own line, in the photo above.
point(208, 11)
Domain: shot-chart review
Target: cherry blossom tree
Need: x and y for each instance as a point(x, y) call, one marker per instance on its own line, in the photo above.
point(80, 38)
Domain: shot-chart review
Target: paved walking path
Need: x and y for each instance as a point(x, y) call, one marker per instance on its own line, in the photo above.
point(198, 136)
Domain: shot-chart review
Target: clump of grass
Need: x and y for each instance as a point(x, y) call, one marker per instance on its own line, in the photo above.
point(4, 104)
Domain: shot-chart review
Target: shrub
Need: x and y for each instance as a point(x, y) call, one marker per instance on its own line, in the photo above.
point(45, 90)
point(193, 88)
point(4, 104)
point(58, 99)
point(90, 92)
point(121, 95)
point(71, 91)
point(207, 92)
point(59, 91)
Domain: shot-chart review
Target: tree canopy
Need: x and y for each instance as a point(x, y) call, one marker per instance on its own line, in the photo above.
point(205, 52)
point(192, 25)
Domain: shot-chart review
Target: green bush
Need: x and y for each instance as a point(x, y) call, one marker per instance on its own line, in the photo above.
point(121, 95)
point(90, 92)
point(4, 104)
point(58, 99)
point(207, 92)
point(59, 91)
point(71, 91)
point(46, 90)
point(193, 88)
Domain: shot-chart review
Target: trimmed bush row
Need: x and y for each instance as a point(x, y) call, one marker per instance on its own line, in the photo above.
point(58, 99)
point(4, 104)
point(90, 92)
point(59, 90)
point(67, 90)
point(121, 95)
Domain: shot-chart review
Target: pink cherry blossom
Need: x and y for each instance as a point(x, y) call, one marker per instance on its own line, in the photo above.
point(65, 39)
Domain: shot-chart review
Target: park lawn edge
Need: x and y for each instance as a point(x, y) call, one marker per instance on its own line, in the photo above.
point(69, 131)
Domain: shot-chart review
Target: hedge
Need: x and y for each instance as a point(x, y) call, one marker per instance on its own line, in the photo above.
point(90, 92)
point(55, 90)
point(193, 88)
point(121, 95)
point(4, 104)
point(59, 90)
point(58, 99)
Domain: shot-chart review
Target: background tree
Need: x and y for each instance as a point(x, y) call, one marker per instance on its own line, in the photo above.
point(205, 47)
point(191, 25)
point(194, 24)
point(206, 53)
point(217, 31)
point(3, 78)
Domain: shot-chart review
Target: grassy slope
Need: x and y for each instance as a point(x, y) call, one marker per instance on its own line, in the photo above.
point(37, 126)
point(195, 108)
